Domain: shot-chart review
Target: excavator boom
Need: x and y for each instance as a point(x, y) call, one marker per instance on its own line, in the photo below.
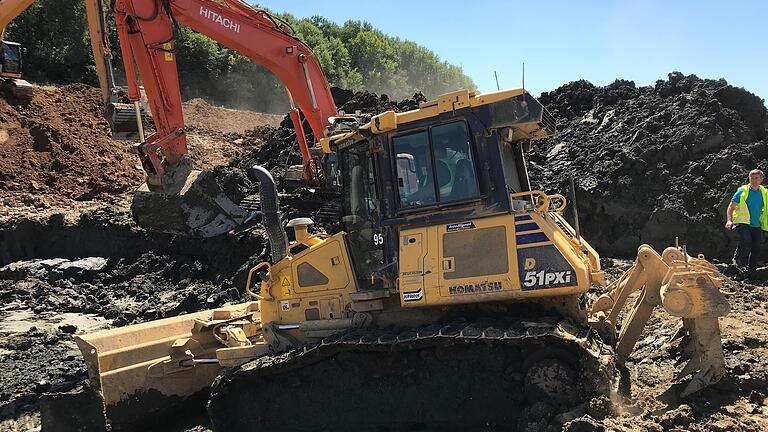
point(176, 198)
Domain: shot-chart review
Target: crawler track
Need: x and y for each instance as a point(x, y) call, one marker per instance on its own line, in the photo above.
point(454, 376)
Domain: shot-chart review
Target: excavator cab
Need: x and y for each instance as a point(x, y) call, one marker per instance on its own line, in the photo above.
point(10, 60)
point(10, 71)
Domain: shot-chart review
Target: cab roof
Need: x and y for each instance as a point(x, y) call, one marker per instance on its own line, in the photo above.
point(540, 125)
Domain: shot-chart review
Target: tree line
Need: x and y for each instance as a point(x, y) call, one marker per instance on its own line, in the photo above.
point(354, 56)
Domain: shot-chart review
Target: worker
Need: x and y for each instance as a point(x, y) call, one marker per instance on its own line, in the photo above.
point(748, 215)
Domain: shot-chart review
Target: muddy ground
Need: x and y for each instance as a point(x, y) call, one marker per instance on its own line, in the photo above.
point(72, 260)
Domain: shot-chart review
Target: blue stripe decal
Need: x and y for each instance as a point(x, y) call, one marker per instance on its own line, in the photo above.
point(531, 238)
point(527, 227)
point(522, 218)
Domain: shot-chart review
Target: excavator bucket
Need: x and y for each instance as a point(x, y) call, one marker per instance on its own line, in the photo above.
point(197, 207)
point(157, 365)
point(122, 121)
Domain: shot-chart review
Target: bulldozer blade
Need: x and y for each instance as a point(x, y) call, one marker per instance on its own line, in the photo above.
point(198, 208)
point(707, 363)
point(156, 366)
point(122, 121)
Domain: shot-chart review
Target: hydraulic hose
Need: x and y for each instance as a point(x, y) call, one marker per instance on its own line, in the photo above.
point(270, 212)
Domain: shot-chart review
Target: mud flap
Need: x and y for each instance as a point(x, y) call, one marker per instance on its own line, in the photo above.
point(199, 208)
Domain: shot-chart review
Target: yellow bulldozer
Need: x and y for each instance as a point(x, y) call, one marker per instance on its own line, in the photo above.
point(454, 296)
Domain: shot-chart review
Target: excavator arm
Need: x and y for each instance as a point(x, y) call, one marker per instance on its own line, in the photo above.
point(146, 29)
point(684, 287)
point(10, 9)
point(177, 198)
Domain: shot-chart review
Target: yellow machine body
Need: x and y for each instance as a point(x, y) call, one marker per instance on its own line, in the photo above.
point(509, 257)
point(499, 246)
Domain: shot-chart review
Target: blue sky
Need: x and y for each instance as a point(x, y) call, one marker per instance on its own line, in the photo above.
point(562, 41)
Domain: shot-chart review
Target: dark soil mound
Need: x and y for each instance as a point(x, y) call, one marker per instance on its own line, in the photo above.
point(60, 143)
point(281, 148)
point(652, 163)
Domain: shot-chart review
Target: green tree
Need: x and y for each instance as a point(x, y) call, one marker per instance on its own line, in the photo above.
point(354, 55)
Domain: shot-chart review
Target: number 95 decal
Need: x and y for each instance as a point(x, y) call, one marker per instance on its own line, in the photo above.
point(378, 239)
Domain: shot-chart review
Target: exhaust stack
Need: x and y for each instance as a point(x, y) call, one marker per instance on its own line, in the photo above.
point(270, 210)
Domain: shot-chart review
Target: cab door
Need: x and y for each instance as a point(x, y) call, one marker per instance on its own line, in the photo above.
point(361, 217)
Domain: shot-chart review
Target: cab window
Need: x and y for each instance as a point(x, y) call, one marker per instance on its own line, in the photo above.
point(415, 176)
point(435, 166)
point(9, 53)
point(361, 219)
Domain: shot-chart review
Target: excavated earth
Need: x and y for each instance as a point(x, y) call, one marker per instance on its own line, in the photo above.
point(72, 260)
point(653, 163)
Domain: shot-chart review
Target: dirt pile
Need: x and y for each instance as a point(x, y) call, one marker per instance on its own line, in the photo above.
point(371, 103)
point(59, 143)
point(216, 135)
point(199, 114)
point(655, 162)
point(281, 148)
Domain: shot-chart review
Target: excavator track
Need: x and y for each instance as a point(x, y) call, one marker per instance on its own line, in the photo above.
point(478, 374)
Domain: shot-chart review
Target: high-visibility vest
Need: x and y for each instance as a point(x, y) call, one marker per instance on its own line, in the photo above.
point(741, 212)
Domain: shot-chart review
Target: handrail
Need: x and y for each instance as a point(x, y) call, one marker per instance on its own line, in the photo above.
point(255, 269)
point(543, 202)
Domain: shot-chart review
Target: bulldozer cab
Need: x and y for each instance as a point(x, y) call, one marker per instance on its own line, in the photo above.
point(10, 60)
point(438, 166)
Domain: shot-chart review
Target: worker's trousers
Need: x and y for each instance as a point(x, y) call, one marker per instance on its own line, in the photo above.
point(748, 251)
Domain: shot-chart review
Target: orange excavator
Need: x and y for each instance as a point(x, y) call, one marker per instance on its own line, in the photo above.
point(190, 202)
point(176, 198)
